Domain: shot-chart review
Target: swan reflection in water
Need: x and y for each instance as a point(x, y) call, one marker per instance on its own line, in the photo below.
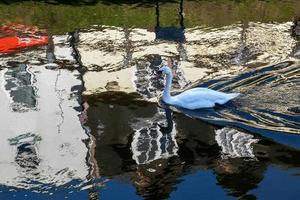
point(157, 150)
point(155, 141)
point(154, 149)
point(226, 155)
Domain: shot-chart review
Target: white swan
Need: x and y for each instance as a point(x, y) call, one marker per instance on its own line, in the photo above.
point(193, 98)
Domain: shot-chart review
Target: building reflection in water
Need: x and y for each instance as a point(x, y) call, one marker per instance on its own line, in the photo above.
point(42, 138)
point(235, 144)
point(171, 33)
point(121, 59)
point(135, 142)
point(19, 81)
point(129, 139)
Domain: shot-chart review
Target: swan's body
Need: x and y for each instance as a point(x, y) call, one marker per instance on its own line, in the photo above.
point(193, 98)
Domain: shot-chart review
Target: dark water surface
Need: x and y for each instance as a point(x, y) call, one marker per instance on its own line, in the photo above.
point(80, 116)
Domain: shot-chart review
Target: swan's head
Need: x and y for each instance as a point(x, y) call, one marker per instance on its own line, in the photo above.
point(165, 70)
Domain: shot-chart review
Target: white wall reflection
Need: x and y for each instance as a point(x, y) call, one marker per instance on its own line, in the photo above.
point(149, 142)
point(41, 138)
point(235, 143)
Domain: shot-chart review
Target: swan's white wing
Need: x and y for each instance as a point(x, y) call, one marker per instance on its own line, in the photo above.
point(197, 94)
point(202, 98)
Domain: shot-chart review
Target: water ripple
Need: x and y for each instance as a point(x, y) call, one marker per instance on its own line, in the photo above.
point(268, 102)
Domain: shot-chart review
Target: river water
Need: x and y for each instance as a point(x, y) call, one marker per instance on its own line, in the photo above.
point(81, 116)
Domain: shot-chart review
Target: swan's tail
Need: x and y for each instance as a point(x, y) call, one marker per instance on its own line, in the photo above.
point(233, 95)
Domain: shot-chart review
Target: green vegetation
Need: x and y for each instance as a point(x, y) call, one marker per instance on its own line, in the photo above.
point(63, 17)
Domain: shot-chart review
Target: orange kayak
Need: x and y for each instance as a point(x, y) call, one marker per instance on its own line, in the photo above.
point(17, 36)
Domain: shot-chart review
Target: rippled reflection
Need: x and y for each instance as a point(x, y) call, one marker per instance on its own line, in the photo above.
point(151, 142)
point(19, 81)
point(131, 137)
point(268, 104)
point(235, 143)
point(41, 135)
point(80, 120)
point(122, 59)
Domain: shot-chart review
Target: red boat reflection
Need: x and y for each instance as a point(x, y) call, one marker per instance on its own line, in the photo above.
point(14, 37)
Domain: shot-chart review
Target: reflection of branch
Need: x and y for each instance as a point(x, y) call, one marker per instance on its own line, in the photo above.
point(240, 57)
point(35, 88)
point(59, 95)
point(157, 13)
point(128, 48)
point(50, 50)
point(181, 14)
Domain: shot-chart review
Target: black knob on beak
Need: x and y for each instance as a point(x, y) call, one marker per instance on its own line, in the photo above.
point(159, 74)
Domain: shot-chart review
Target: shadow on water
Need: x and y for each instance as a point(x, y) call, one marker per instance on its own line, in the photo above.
point(170, 33)
point(156, 151)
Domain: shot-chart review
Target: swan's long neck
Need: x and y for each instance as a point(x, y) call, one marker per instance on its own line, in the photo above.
point(167, 90)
